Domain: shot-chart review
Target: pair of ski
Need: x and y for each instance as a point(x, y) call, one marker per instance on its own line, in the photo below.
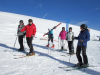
point(23, 56)
point(71, 68)
point(69, 54)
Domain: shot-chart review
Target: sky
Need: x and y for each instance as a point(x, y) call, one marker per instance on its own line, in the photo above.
point(77, 11)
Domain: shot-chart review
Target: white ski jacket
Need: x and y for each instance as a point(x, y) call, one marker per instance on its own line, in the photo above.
point(69, 36)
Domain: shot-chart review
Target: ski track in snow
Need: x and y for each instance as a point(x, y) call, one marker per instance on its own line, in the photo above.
point(44, 64)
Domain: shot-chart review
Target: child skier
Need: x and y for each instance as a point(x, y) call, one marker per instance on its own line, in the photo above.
point(50, 37)
point(70, 38)
point(83, 37)
point(62, 36)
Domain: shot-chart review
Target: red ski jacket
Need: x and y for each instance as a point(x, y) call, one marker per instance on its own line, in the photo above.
point(30, 30)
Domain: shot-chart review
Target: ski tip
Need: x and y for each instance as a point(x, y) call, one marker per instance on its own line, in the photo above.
point(15, 58)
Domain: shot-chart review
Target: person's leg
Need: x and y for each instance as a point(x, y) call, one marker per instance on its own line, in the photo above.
point(21, 42)
point(72, 47)
point(85, 59)
point(61, 43)
point(31, 46)
point(78, 51)
point(64, 42)
point(20, 39)
point(52, 41)
point(29, 42)
point(48, 42)
point(69, 45)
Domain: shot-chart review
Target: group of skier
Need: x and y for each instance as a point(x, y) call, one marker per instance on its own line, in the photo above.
point(84, 36)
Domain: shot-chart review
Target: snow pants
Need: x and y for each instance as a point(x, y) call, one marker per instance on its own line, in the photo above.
point(70, 45)
point(29, 42)
point(62, 43)
point(20, 39)
point(78, 51)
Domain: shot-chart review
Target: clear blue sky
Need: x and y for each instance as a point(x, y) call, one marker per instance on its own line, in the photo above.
point(79, 11)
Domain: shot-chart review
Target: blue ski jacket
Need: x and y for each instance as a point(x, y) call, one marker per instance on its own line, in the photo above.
point(84, 35)
point(50, 34)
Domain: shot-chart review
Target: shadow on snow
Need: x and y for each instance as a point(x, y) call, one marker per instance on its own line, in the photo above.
point(88, 71)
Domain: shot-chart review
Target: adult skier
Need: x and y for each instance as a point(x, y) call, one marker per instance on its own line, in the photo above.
point(50, 37)
point(30, 33)
point(70, 38)
point(62, 36)
point(83, 37)
point(21, 35)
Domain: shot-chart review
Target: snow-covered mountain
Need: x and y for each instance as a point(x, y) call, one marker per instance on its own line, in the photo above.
point(46, 63)
point(42, 25)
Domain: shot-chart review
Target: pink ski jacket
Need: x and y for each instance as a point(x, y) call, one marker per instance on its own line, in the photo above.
point(63, 35)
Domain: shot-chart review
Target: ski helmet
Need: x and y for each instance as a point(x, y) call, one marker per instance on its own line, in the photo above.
point(21, 21)
point(49, 29)
point(84, 26)
point(63, 27)
point(70, 28)
point(30, 20)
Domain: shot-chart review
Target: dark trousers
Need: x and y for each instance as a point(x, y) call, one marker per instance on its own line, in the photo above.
point(78, 51)
point(50, 39)
point(70, 45)
point(20, 39)
point(29, 42)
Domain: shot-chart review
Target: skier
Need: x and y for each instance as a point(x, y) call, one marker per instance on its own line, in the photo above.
point(70, 38)
point(50, 37)
point(62, 36)
point(83, 37)
point(30, 33)
point(21, 35)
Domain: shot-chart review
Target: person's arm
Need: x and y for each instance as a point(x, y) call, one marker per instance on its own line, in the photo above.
point(88, 36)
point(77, 37)
point(73, 36)
point(67, 36)
point(24, 29)
point(18, 29)
point(34, 31)
point(60, 34)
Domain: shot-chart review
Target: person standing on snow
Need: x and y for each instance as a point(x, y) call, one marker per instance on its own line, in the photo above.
point(83, 37)
point(30, 33)
point(50, 37)
point(70, 38)
point(62, 36)
point(21, 35)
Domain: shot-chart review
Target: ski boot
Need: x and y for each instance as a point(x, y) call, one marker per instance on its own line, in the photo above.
point(53, 46)
point(47, 45)
point(30, 54)
point(20, 49)
point(78, 65)
point(61, 48)
point(85, 65)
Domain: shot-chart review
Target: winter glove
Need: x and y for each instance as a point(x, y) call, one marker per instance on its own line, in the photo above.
point(23, 36)
point(43, 35)
point(73, 38)
point(81, 40)
point(32, 36)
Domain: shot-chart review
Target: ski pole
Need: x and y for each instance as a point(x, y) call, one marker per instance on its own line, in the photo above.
point(15, 43)
point(58, 42)
point(69, 58)
point(24, 42)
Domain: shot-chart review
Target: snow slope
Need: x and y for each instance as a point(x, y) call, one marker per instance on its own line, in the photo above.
point(45, 63)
